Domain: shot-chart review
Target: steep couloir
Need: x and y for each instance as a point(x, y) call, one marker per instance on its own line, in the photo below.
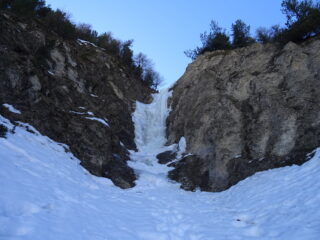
point(246, 110)
point(73, 92)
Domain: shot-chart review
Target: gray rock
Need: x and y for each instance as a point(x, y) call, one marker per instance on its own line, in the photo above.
point(166, 157)
point(248, 109)
point(36, 85)
point(191, 172)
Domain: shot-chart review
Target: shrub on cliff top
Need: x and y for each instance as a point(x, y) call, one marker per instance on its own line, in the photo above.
point(85, 32)
point(146, 72)
point(218, 39)
point(215, 39)
point(241, 34)
point(28, 8)
point(59, 22)
point(303, 21)
point(268, 35)
point(111, 45)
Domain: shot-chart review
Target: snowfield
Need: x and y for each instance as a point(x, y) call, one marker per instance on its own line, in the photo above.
point(46, 195)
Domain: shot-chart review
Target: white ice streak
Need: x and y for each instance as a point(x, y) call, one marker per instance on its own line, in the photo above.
point(90, 113)
point(84, 42)
point(79, 113)
point(11, 108)
point(104, 122)
point(182, 146)
point(82, 113)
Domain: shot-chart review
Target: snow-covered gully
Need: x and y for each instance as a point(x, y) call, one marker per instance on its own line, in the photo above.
point(46, 194)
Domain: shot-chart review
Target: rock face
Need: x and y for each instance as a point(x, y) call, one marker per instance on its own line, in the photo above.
point(166, 157)
point(244, 111)
point(73, 92)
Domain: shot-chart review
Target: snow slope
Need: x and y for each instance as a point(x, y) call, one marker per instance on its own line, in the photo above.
point(46, 195)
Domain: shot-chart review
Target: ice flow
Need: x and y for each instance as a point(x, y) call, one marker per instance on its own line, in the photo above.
point(150, 138)
point(150, 122)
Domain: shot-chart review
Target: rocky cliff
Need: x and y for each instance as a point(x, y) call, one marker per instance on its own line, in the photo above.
point(245, 110)
point(71, 91)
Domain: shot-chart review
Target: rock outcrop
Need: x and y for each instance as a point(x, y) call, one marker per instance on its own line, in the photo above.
point(166, 157)
point(73, 92)
point(246, 110)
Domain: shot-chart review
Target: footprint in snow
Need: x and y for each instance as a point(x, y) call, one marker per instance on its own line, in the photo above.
point(250, 228)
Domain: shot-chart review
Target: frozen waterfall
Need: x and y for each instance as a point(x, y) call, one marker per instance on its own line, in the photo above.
point(150, 138)
point(150, 122)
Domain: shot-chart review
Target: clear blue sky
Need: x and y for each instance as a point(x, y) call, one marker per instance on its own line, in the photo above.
point(164, 29)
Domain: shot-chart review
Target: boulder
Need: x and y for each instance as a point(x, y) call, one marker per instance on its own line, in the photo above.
point(166, 157)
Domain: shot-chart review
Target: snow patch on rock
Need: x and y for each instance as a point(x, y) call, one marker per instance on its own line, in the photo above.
point(11, 108)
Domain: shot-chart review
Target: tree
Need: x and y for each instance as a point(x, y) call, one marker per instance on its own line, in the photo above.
point(142, 63)
point(303, 20)
point(85, 32)
point(126, 53)
point(111, 45)
point(152, 78)
point(295, 10)
point(27, 8)
point(265, 35)
point(141, 60)
point(216, 39)
point(241, 34)
point(59, 22)
point(157, 80)
point(147, 73)
point(219, 41)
